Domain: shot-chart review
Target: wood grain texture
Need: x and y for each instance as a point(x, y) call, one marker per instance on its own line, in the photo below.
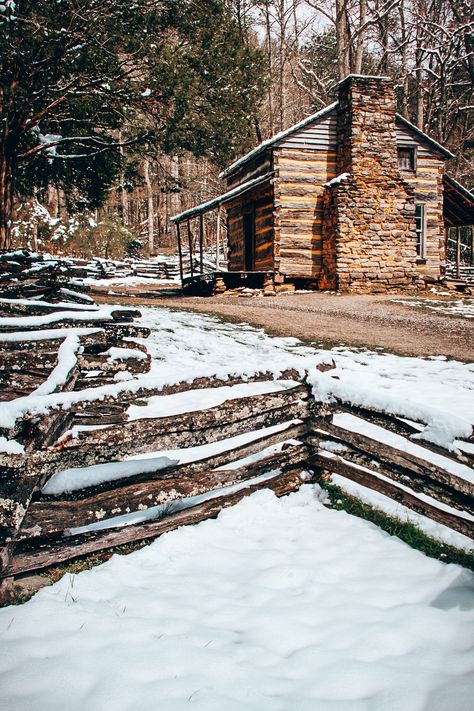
point(404, 467)
point(48, 516)
point(186, 430)
point(260, 200)
point(300, 177)
point(337, 465)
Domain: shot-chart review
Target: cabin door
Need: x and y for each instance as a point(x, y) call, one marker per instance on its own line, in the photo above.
point(249, 241)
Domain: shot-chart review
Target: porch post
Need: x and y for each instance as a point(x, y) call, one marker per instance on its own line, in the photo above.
point(201, 240)
point(458, 252)
point(190, 244)
point(218, 236)
point(180, 252)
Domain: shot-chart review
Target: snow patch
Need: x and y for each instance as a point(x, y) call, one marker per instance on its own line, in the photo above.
point(276, 605)
point(11, 446)
point(337, 180)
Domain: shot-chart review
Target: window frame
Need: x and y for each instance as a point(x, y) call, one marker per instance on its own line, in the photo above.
point(420, 219)
point(413, 158)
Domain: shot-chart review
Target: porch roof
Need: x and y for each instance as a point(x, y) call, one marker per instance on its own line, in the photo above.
point(225, 197)
point(458, 208)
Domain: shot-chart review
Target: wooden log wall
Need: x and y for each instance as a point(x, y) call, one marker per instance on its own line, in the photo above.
point(260, 202)
point(253, 168)
point(300, 175)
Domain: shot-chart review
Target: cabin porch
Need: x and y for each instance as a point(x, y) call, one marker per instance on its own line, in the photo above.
point(458, 213)
point(244, 256)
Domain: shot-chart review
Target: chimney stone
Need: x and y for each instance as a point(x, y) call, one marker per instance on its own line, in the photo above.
point(369, 238)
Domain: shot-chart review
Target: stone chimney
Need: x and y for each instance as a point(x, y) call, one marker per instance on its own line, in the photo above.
point(369, 241)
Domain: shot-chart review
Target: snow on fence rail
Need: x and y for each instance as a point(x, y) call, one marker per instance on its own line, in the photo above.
point(91, 517)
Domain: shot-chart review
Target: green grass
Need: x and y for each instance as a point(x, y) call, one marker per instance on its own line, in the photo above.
point(56, 572)
point(407, 532)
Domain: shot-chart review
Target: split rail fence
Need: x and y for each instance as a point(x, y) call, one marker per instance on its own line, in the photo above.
point(53, 529)
point(286, 437)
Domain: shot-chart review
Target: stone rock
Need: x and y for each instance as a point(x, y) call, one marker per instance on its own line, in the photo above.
point(284, 288)
point(23, 589)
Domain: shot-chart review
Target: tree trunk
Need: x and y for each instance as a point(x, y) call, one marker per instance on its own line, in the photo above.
point(281, 66)
point(123, 192)
point(419, 56)
point(7, 191)
point(404, 58)
point(173, 199)
point(359, 48)
point(150, 220)
point(124, 201)
point(342, 39)
point(268, 32)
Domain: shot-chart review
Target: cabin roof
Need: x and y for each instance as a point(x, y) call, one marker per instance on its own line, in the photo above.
point(434, 144)
point(274, 140)
point(224, 197)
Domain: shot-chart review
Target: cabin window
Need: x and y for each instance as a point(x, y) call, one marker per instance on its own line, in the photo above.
point(406, 158)
point(420, 227)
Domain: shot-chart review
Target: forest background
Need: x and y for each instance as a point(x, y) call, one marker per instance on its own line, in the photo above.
point(115, 114)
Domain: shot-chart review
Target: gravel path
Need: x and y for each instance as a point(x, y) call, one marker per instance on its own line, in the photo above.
point(371, 321)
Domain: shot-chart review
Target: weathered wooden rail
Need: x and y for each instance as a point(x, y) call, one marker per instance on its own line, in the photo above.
point(41, 537)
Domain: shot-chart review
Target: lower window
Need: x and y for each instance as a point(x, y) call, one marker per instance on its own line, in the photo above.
point(420, 226)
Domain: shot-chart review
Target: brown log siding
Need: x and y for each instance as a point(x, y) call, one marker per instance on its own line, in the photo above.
point(261, 199)
point(299, 179)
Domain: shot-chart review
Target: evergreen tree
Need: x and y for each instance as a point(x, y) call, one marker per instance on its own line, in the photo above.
point(74, 73)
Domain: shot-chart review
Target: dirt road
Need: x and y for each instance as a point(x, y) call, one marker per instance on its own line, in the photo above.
point(371, 321)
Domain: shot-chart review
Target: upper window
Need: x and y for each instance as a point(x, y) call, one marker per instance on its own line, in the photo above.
point(406, 158)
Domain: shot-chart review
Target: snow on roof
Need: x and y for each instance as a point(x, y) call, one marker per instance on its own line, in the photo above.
point(277, 137)
point(205, 206)
point(422, 134)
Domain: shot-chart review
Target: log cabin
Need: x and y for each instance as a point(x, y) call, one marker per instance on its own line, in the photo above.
point(353, 198)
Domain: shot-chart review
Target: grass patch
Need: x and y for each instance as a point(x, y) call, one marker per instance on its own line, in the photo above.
point(407, 532)
point(78, 565)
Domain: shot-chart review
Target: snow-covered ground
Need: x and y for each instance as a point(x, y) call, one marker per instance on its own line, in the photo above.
point(127, 281)
point(452, 307)
point(434, 391)
point(278, 605)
